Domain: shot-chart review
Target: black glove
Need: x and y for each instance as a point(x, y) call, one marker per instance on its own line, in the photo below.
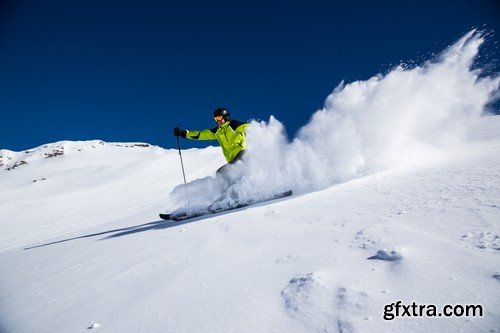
point(180, 132)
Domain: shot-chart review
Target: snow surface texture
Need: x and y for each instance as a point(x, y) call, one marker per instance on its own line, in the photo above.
point(398, 183)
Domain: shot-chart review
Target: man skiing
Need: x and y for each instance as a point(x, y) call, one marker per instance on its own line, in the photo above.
point(231, 136)
point(229, 132)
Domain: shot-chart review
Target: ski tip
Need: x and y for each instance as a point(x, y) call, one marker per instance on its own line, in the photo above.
point(283, 194)
point(165, 216)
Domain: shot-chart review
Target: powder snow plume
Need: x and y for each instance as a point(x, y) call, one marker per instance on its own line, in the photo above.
point(404, 118)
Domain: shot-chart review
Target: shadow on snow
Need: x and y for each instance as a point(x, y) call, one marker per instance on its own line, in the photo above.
point(156, 225)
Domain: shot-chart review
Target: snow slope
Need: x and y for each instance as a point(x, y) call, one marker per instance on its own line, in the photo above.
point(82, 248)
point(68, 185)
point(99, 258)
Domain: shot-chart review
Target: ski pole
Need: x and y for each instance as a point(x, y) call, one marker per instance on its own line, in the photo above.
point(182, 166)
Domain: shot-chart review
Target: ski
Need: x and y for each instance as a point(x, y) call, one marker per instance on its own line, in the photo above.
point(165, 216)
point(214, 210)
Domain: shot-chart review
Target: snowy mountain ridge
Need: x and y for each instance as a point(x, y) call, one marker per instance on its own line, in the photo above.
point(10, 160)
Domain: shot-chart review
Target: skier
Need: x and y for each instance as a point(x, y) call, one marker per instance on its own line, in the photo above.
point(231, 136)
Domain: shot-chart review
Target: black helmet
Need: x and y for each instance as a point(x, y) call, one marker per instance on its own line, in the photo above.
point(222, 112)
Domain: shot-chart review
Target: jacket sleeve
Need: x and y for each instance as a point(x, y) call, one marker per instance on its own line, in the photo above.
point(207, 134)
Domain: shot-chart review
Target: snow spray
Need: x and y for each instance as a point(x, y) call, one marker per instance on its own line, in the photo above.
point(405, 118)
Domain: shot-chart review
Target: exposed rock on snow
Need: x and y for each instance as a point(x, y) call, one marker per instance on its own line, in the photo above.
point(16, 165)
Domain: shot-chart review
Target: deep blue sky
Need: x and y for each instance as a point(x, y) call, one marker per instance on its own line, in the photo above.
point(132, 70)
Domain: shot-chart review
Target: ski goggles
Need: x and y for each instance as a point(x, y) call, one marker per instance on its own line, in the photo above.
point(218, 118)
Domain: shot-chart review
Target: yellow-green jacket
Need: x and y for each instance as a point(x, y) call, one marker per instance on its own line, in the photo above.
point(231, 137)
